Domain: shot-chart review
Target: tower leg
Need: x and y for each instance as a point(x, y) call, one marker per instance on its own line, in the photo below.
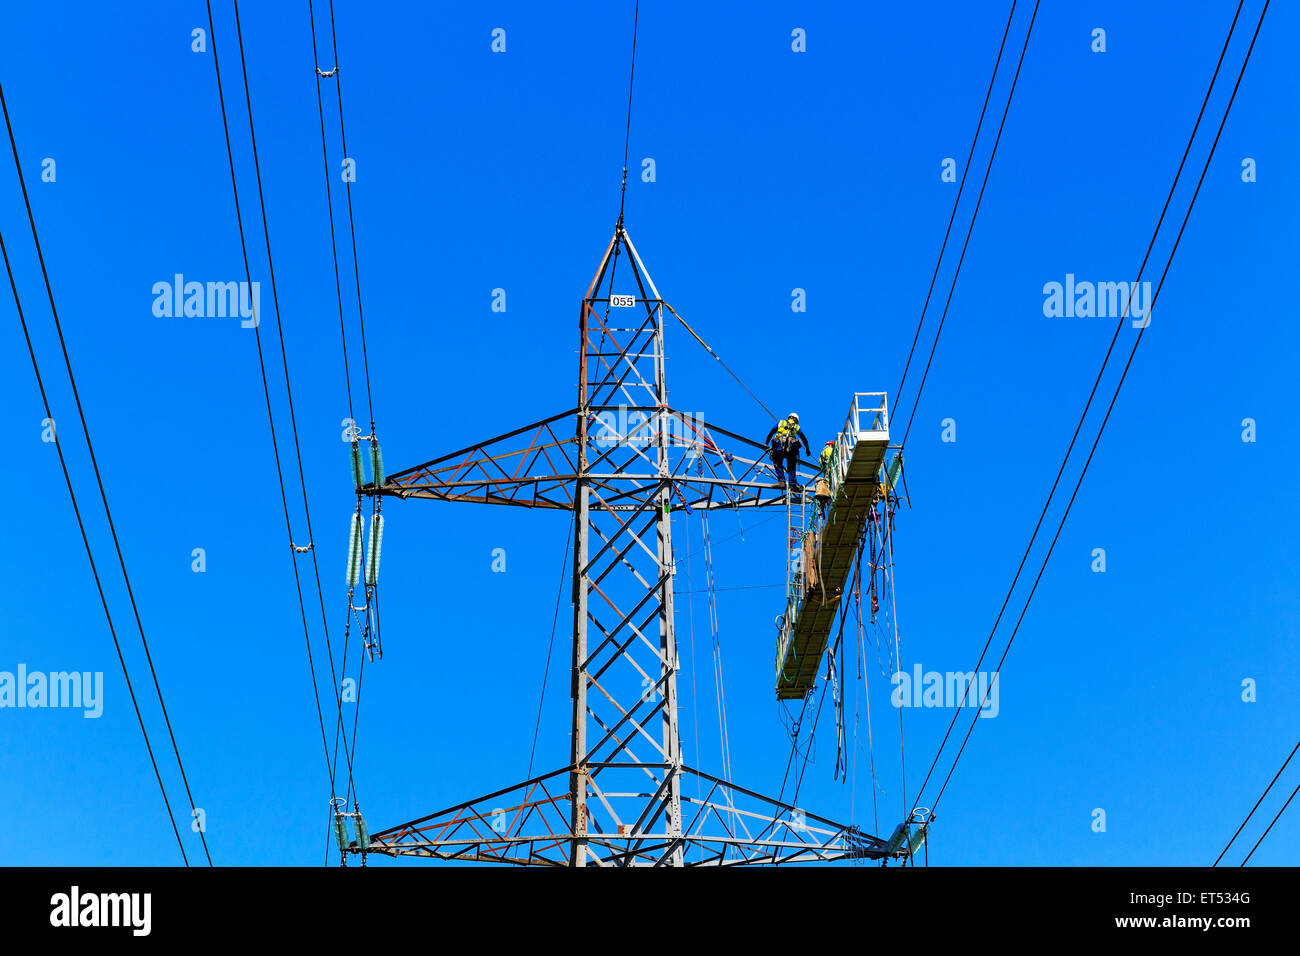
point(578, 776)
point(668, 650)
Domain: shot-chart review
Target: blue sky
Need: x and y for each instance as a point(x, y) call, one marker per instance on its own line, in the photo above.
point(775, 170)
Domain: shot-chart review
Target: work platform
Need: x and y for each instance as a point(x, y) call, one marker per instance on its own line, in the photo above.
point(855, 475)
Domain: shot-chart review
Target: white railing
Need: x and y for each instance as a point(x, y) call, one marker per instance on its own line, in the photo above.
point(868, 413)
point(869, 406)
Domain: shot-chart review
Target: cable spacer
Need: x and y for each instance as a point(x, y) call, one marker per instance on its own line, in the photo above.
point(326, 74)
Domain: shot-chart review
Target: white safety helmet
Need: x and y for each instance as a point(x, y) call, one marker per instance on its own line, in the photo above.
point(794, 415)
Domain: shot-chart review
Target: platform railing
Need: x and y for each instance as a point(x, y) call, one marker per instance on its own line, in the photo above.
point(872, 407)
point(868, 413)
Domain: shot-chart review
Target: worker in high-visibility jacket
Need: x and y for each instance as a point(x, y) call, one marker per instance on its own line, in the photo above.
point(822, 488)
point(828, 452)
point(783, 441)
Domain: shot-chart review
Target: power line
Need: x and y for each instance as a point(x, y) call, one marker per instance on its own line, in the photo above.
point(1137, 341)
point(275, 446)
point(371, 609)
point(627, 140)
point(338, 727)
point(971, 228)
point(86, 541)
point(1091, 395)
point(288, 383)
point(1256, 807)
point(1270, 826)
point(352, 229)
point(956, 202)
point(94, 461)
point(329, 205)
point(992, 79)
point(275, 298)
point(351, 754)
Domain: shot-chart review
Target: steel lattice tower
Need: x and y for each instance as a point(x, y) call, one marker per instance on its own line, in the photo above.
point(621, 461)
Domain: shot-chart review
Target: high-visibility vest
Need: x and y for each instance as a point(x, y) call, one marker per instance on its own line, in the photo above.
point(787, 434)
point(827, 453)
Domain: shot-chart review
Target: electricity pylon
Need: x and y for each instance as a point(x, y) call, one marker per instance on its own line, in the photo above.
point(626, 798)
